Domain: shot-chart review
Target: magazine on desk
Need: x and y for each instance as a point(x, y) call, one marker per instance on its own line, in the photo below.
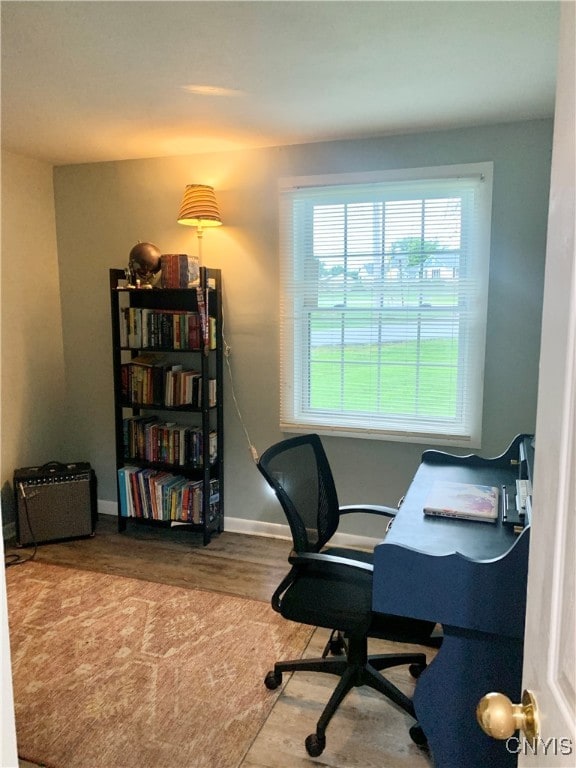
point(465, 501)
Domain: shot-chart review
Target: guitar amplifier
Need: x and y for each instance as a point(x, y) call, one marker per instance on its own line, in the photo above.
point(55, 502)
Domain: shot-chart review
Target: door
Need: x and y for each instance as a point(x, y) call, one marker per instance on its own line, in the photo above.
point(550, 652)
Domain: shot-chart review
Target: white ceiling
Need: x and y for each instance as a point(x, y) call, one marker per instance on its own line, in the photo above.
point(90, 81)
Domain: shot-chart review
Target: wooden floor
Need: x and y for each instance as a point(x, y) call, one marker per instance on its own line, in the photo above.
point(366, 732)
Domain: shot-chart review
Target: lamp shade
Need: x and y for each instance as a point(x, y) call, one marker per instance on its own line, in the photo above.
point(199, 207)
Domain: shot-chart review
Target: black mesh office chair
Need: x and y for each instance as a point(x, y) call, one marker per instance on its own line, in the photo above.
point(331, 587)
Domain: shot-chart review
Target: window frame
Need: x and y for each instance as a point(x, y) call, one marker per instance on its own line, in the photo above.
point(295, 349)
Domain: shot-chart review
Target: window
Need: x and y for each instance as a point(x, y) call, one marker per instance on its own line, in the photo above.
point(384, 282)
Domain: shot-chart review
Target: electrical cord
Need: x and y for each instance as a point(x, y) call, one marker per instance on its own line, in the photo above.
point(13, 558)
point(227, 353)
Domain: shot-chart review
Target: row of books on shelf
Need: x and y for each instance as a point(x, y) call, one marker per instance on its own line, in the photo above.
point(155, 495)
point(148, 438)
point(149, 380)
point(142, 328)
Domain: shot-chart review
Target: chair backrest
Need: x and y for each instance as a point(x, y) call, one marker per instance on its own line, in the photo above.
point(298, 471)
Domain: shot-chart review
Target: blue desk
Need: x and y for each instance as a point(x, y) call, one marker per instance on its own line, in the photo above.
point(471, 578)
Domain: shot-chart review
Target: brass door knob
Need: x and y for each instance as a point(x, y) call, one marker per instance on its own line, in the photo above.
point(499, 718)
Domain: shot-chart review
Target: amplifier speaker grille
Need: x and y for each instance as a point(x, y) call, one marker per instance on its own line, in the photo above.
point(54, 509)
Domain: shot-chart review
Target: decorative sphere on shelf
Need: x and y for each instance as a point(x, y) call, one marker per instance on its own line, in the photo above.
point(144, 265)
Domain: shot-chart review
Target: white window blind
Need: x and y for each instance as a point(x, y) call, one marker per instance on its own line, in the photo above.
point(384, 283)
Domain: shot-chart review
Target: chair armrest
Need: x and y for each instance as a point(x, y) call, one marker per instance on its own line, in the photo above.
point(308, 558)
point(372, 509)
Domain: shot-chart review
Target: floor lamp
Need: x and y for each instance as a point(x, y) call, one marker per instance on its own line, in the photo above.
point(199, 209)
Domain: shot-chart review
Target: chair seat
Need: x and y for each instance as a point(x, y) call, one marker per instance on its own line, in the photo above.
point(343, 601)
point(329, 601)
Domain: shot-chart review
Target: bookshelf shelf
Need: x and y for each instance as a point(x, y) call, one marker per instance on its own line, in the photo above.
point(168, 407)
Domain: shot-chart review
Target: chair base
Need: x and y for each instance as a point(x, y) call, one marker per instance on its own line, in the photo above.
point(354, 670)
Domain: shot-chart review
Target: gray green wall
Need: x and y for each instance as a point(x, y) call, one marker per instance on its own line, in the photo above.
point(103, 209)
point(33, 414)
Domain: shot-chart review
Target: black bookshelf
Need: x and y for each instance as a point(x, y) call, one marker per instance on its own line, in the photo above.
point(168, 403)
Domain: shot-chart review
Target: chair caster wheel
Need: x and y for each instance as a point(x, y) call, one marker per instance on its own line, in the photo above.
point(418, 736)
point(273, 680)
point(337, 647)
point(416, 669)
point(315, 744)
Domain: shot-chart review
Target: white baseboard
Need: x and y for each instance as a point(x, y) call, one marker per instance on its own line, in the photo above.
point(260, 528)
point(107, 508)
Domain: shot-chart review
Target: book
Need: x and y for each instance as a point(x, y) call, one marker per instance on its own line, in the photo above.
point(465, 501)
point(125, 498)
point(179, 270)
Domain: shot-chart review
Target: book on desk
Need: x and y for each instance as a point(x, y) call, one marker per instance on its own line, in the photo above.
point(463, 501)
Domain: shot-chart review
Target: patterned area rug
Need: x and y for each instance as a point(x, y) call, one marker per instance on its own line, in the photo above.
point(111, 672)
